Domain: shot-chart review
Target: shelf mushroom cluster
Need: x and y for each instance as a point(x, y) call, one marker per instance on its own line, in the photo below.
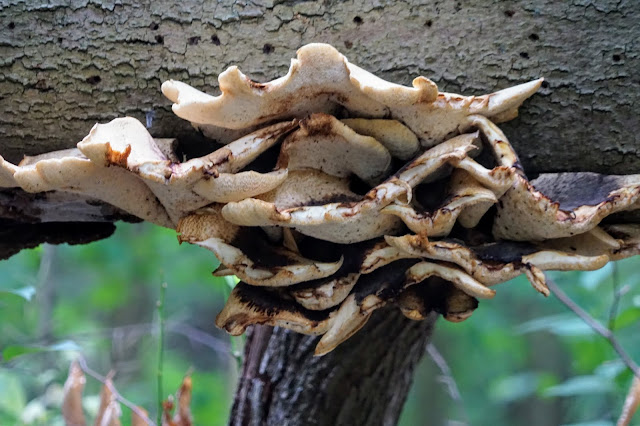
point(336, 193)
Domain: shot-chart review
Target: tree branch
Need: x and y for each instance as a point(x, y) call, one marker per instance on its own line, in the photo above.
point(594, 324)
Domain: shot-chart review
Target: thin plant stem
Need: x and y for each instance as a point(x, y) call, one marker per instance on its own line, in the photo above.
point(160, 305)
point(613, 311)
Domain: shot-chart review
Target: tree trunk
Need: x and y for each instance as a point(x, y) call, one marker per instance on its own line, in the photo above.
point(364, 381)
point(68, 64)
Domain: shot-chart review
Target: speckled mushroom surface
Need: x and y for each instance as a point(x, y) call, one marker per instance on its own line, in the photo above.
point(335, 193)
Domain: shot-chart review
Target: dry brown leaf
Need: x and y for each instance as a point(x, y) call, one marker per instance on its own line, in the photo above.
point(72, 402)
point(109, 412)
point(631, 403)
point(183, 416)
point(137, 420)
point(167, 409)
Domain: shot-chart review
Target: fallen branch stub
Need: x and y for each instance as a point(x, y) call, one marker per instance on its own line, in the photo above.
point(337, 193)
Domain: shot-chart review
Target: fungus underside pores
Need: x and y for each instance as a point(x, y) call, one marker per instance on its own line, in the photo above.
point(335, 193)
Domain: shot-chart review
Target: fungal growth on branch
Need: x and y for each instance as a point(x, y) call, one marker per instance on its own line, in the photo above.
point(335, 193)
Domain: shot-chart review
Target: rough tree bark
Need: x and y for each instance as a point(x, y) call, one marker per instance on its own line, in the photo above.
point(66, 64)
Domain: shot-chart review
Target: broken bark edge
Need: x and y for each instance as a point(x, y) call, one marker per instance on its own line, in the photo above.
point(28, 220)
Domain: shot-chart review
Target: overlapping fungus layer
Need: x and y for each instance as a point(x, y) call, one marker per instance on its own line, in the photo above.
point(375, 197)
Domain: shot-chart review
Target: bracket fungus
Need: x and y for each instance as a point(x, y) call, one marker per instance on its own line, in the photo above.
point(335, 193)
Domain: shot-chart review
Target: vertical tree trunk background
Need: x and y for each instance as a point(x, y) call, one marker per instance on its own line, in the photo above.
point(66, 64)
point(364, 381)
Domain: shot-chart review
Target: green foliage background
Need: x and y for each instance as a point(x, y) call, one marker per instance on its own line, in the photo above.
point(521, 359)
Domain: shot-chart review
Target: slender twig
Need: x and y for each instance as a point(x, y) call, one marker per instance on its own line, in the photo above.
point(595, 325)
point(196, 335)
point(447, 377)
point(104, 380)
point(142, 329)
point(163, 289)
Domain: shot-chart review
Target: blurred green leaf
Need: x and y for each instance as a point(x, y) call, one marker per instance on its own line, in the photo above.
point(109, 296)
point(628, 317)
point(25, 293)
point(514, 387)
point(561, 325)
point(581, 385)
point(593, 423)
point(14, 351)
point(610, 369)
point(12, 395)
point(595, 278)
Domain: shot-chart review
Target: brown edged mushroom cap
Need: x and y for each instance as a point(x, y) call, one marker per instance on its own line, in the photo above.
point(319, 295)
point(466, 199)
point(460, 279)
point(628, 235)
point(359, 259)
point(352, 218)
point(617, 241)
point(305, 201)
point(185, 187)
point(323, 142)
point(472, 176)
point(248, 305)
point(436, 295)
point(321, 79)
point(395, 136)
point(462, 182)
point(382, 254)
point(557, 205)
point(371, 293)
point(307, 187)
point(248, 252)
point(347, 320)
point(498, 262)
point(7, 170)
point(239, 153)
point(507, 170)
point(81, 176)
point(328, 292)
point(125, 142)
point(384, 286)
point(554, 205)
